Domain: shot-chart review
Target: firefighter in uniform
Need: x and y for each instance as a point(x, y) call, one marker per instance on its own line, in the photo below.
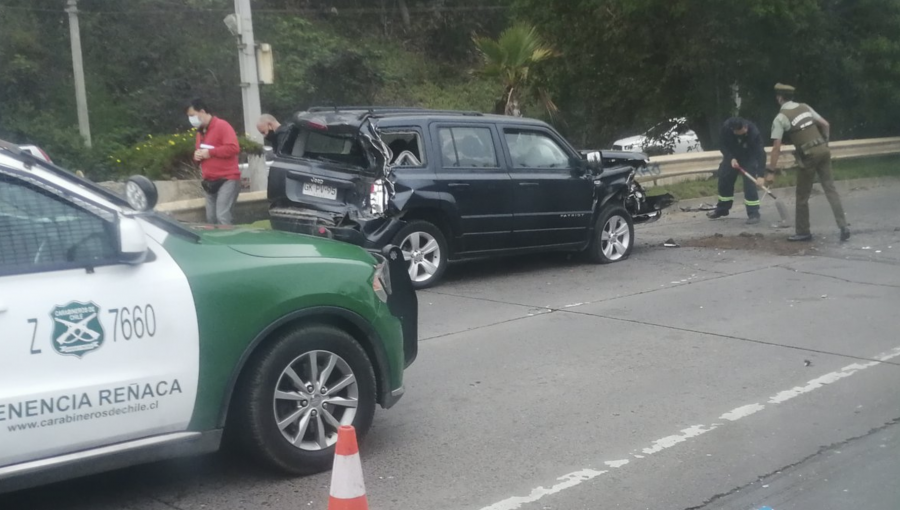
point(808, 132)
point(742, 146)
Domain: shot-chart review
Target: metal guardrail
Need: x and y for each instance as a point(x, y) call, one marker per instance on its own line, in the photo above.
point(680, 167)
point(661, 170)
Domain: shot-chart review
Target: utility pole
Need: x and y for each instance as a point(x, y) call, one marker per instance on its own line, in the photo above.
point(84, 125)
point(249, 76)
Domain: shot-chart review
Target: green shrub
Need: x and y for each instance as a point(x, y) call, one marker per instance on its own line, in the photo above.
point(164, 157)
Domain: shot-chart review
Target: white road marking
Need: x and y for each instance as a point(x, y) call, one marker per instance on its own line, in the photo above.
point(832, 377)
point(742, 412)
point(670, 441)
point(577, 478)
point(566, 482)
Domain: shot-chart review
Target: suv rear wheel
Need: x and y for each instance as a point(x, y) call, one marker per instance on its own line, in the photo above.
point(613, 236)
point(424, 247)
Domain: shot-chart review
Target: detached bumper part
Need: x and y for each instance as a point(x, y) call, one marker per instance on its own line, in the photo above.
point(403, 302)
point(404, 305)
point(651, 208)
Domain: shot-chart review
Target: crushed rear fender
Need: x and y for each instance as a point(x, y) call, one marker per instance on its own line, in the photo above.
point(371, 220)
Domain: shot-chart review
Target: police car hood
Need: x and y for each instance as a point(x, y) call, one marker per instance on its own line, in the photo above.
point(278, 244)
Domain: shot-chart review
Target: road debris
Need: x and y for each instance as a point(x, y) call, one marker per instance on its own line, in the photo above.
point(702, 207)
point(670, 243)
point(807, 363)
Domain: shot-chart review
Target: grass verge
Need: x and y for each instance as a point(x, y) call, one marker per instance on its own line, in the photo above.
point(881, 166)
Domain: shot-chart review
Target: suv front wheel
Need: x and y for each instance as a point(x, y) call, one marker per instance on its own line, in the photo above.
point(613, 236)
point(424, 248)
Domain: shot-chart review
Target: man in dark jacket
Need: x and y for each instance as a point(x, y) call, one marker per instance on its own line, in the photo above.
point(273, 131)
point(741, 146)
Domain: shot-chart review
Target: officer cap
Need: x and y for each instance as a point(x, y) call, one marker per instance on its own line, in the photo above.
point(781, 87)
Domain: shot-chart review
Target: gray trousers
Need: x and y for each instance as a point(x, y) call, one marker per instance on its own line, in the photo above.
point(219, 204)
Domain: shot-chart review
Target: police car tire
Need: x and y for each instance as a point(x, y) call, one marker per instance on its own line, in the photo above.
point(252, 418)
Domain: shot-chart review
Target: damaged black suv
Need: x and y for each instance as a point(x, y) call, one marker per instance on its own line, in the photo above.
point(451, 185)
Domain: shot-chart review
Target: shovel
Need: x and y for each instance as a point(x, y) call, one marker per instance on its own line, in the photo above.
point(782, 209)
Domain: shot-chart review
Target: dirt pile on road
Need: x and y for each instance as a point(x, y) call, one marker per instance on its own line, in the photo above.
point(778, 245)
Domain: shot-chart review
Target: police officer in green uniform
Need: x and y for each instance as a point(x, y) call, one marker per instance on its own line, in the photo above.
point(808, 132)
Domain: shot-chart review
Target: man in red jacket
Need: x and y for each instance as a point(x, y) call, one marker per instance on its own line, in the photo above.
point(217, 152)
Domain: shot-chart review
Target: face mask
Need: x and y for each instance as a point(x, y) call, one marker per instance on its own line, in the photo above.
point(194, 120)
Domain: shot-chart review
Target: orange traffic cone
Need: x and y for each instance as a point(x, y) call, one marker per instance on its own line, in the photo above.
point(348, 492)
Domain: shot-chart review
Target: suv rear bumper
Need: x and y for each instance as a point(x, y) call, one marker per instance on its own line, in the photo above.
point(372, 232)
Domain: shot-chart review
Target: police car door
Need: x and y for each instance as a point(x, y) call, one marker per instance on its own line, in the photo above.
point(93, 351)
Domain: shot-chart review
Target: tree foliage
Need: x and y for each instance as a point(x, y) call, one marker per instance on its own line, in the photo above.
point(632, 63)
point(624, 65)
point(510, 59)
point(145, 58)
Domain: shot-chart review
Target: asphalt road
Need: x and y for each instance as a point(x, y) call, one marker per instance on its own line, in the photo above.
point(683, 378)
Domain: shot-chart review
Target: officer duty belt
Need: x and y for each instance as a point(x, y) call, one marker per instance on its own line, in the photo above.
point(809, 145)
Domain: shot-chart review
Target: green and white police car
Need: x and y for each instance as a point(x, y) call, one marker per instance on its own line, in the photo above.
point(126, 337)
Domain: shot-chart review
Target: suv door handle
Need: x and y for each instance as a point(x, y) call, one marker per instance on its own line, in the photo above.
point(3, 308)
point(528, 184)
point(458, 185)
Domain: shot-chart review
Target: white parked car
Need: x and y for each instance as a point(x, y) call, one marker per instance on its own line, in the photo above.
point(669, 137)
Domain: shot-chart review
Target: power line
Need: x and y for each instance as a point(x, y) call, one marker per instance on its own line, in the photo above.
point(350, 10)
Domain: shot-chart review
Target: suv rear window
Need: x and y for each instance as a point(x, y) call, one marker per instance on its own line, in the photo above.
point(323, 146)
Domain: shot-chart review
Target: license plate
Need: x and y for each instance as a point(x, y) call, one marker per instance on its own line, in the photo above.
point(320, 191)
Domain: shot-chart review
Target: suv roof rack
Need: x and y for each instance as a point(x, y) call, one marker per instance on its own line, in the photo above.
point(381, 110)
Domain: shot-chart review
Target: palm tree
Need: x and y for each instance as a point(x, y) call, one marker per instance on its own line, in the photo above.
point(510, 59)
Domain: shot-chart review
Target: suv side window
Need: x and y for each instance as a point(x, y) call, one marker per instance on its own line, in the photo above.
point(39, 230)
point(406, 147)
point(534, 149)
point(467, 147)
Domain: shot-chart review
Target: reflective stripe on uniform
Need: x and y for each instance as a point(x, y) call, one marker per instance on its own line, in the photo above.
point(726, 199)
point(751, 202)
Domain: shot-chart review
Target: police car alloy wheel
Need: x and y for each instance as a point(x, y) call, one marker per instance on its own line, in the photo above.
point(297, 392)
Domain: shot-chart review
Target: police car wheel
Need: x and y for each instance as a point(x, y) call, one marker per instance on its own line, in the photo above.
point(296, 392)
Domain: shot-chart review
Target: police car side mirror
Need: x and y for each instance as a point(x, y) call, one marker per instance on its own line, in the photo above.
point(133, 247)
